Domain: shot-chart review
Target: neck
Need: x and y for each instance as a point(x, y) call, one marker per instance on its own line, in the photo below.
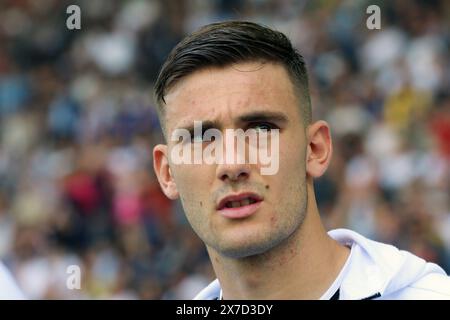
point(302, 267)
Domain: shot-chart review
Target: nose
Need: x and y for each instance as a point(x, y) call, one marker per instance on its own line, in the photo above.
point(233, 172)
point(232, 169)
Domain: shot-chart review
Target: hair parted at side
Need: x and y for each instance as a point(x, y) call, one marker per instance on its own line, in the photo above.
point(225, 43)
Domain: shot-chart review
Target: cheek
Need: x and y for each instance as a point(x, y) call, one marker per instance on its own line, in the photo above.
point(292, 162)
point(293, 155)
point(291, 176)
point(273, 220)
point(193, 183)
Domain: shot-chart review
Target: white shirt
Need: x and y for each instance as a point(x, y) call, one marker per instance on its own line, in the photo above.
point(375, 270)
point(8, 287)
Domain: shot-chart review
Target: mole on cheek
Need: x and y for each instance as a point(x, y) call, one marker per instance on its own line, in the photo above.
point(267, 186)
point(201, 204)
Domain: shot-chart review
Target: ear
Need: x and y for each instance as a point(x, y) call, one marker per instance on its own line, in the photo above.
point(319, 149)
point(163, 172)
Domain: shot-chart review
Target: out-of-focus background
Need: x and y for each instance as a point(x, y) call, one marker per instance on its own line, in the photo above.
point(78, 123)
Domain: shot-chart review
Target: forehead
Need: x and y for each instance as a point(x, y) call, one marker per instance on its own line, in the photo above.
point(220, 93)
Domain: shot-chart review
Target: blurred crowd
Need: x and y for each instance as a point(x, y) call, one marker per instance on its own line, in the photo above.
point(78, 123)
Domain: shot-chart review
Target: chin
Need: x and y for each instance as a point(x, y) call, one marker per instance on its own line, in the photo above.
point(244, 248)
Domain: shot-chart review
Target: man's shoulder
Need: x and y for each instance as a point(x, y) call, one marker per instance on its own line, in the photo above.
point(8, 287)
point(431, 286)
point(389, 271)
point(211, 292)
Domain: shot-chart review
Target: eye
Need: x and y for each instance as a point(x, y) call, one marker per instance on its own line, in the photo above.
point(263, 126)
point(200, 138)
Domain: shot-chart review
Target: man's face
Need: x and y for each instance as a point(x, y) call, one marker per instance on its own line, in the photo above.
point(226, 97)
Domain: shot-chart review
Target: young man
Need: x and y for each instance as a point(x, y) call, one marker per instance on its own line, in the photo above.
point(263, 233)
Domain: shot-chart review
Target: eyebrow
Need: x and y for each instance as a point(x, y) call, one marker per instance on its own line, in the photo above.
point(264, 116)
point(255, 116)
point(205, 126)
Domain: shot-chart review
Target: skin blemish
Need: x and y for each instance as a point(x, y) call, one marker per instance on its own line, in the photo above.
point(201, 204)
point(267, 187)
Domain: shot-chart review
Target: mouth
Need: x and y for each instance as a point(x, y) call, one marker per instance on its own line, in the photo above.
point(240, 205)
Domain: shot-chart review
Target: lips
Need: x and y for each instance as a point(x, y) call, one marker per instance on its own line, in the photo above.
point(239, 205)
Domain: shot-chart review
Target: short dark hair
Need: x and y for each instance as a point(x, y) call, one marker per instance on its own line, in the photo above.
point(225, 43)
